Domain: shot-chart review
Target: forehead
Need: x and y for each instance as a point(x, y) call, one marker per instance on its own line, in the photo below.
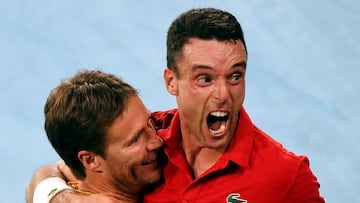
point(213, 51)
point(132, 120)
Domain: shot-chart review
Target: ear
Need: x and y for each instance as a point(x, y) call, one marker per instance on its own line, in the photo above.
point(90, 160)
point(170, 81)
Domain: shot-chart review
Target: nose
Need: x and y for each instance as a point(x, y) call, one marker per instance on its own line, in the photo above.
point(221, 91)
point(155, 142)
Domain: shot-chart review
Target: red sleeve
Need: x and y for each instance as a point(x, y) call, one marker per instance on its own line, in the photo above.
point(305, 187)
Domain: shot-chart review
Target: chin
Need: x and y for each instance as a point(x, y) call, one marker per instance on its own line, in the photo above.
point(217, 143)
point(153, 178)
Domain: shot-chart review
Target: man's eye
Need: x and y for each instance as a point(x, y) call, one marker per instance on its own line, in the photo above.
point(204, 79)
point(236, 77)
point(136, 138)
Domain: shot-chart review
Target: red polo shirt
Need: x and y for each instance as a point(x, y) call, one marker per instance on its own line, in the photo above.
point(255, 169)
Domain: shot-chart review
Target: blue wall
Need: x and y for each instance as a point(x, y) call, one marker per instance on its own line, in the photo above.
point(302, 78)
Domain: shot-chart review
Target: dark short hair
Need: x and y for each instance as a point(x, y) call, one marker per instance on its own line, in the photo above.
point(202, 23)
point(79, 111)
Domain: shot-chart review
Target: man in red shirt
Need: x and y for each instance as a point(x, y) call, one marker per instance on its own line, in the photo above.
point(214, 152)
point(254, 168)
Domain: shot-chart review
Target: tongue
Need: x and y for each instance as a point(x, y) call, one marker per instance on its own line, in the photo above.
point(215, 125)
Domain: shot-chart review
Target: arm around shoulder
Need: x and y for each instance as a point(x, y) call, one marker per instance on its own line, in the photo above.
point(48, 185)
point(41, 174)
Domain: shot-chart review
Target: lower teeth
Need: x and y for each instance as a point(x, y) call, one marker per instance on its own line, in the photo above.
point(221, 129)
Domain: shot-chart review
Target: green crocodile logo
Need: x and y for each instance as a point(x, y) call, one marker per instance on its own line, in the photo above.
point(235, 198)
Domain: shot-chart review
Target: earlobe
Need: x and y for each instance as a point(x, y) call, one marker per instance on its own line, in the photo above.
point(170, 81)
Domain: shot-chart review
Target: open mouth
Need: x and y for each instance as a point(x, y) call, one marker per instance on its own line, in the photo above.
point(217, 122)
point(147, 162)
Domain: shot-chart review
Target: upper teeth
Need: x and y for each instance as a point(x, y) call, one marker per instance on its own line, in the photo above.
point(218, 113)
point(148, 161)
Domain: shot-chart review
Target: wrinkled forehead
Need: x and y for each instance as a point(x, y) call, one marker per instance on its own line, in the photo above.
point(212, 52)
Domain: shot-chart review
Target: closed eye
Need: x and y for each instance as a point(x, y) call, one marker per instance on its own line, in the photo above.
point(136, 137)
point(150, 126)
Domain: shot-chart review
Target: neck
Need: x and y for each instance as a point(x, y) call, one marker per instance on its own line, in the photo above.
point(200, 158)
point(100, 186)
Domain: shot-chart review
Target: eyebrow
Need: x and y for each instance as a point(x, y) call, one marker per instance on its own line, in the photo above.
point(196, 67)
point(239, 64)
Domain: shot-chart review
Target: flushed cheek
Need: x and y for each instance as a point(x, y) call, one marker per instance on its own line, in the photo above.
point(237, 100)
point(193, 103)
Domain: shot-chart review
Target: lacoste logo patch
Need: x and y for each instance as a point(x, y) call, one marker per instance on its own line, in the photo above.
point(235, 198)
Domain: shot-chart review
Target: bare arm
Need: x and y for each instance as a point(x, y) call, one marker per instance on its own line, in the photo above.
point(60, 170)
point(41, 174)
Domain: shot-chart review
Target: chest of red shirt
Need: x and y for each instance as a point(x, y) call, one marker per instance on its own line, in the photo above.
point(223, 182)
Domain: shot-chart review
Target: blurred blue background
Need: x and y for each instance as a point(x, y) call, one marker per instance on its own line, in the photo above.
point(303, 74)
